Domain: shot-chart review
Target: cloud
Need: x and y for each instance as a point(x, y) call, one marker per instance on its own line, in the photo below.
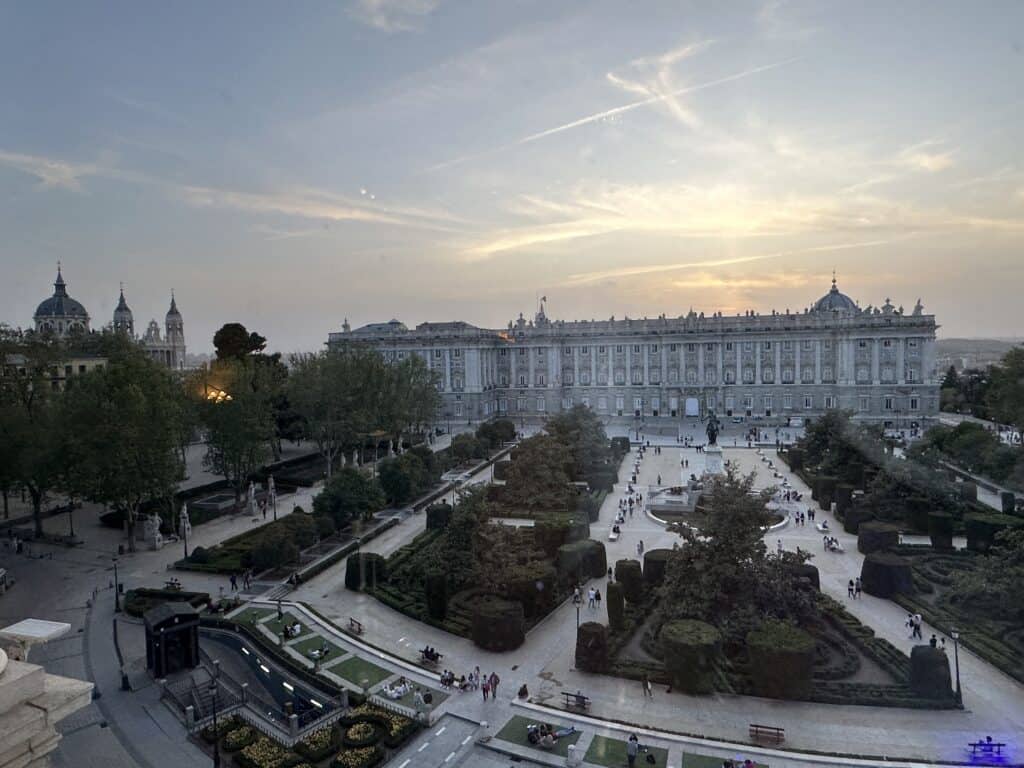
point(392, 15)
point(610, 113)
point(919, 158)
point(52, 174)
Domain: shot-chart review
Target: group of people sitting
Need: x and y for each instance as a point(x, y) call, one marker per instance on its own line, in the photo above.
point(320, 653)
point(832, 544)
point(292, 630)
point(429, 654)
point(398, 690)
point(461, 683)
point(546, 736)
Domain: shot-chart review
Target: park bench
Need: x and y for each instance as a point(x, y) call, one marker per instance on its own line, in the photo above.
point(354, 626)
point(767, 733)
point(577, 700)
point(430, 661)
point(986, 747)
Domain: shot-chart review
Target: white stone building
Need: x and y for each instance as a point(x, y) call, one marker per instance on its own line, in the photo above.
point(878, 363)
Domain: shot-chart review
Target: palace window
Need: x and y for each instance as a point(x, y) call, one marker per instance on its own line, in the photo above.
point(787, 345)
point(540, 351)
point(808, 402)
point(457, 352)
point(728, 346)
point(911, 375)
point(710, 376)
point(655, 376)
point(915, 403)
point(522, 351)
point(691, 347)
point(709, 347)
point(501, 352)
point(730, 377)
point(521, 404)
point(673, 375)
point(637, 376)
point(522, 380)
point(620, 403)
point(888, 402)
point(808, 375)
point(748, 375)
point(602, 403)
point(618, 349)
point(830, 401)
point(826, 373)
point(691, 376)
point(747, 346)
point(620, 376)
point(584, 377)
point(567, 351)
point(503, 380)
point(787, 375)
point(864, 403)
point(567, 378)
point(541, 380)
point(863, 375)
point(787, 402)
point(437, 354)
point(807, 344)
point(767, 345)
point(886, 343)
point(748, 402)
point(671, 347)
point(767, 403)
point(888, 374)
point(862, 343)
point(636, 349)
point(602, 377)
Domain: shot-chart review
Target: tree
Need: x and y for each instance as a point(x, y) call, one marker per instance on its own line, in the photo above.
point(347, 496)
point(538, 480)
point(410, 399)
point(120, 426)
point(723, 574)
point(239, 424)
point(467, 446)
point(29, 422)
point(1005, 397)
point(581, 431)
point(496, 433)
point(336, 393)
point(952, 380)
point(234, 342)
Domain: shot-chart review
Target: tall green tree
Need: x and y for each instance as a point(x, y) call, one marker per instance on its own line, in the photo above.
point(1005, 397)
point(538, 480)
point(410, 398)
point(29, 420)
point(239, 425)
point(121, 434)
point(233, 341)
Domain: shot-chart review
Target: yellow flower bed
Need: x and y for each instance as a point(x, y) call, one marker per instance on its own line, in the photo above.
point(265, 753)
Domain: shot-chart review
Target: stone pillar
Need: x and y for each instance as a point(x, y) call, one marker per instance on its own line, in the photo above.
point(245, 692)
point(901, 373)
point(875, 378)
point(817, 361)
point(293, 725)
point(757, 363)
point(700, 364)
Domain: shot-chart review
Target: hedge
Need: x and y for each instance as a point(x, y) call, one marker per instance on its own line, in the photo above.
point(616, 606)
point(940, 530)
point(781, 660)
point(438, 516)
point(138, 601)
point(929, 673)
point(876, 537)
point(435, 589)
point(498, 624)
point(855, 515)
point(551, 532)
point(825, 488)
point(581, 560)
point(981, 529)
point(592, 647)
point(690, 650)
point(655, 562)
point(884, 574)
point(630, 576)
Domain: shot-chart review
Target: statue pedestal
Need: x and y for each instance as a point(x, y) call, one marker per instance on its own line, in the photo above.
point(713, 460)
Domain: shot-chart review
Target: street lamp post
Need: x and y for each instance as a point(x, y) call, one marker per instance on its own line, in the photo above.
point(216, 740)
point(955, 634)
point(117, 590)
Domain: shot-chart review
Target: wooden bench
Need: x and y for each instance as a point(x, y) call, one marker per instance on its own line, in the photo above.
point(577, 700)
point(354, 626)
point(767, 733)
point(986, 747)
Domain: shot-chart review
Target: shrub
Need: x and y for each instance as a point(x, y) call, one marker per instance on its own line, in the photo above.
point(620, 446)
point(496, 433)
point(825, 488)
point(981, 529)
point(348, 495)
point(361, 734)
point(843, 498)
point(808, 572)
point(781, 660)
point(616, 606)
point(592, 647)
point(365, 570)
point(497, 624)
point(324, 526)
point(581, 560)
point(435, 589)
point(876, 537)
point(629, 574)
point(303, 529)
point(655, 561)
point(549, 533)
point(200, 556)
point(438, 516)
point(466, 447)
point(690, 650)
point(590, 506)
point(273, 550)
point(795, 456)
point(884, 574)
point(929, 672)
point(855, 515)
point(940, 530)
point(240, 738)
point(533, 585)
point(138, 601)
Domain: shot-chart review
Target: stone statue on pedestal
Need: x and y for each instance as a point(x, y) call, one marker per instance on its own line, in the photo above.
point(713, 428)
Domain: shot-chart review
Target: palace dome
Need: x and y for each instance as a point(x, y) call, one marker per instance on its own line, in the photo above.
point(60, 305)
point(834, 301)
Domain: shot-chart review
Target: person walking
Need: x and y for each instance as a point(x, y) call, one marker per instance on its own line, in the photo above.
point(591, 600)
point(648, 689)
point(778, 546)
point(494, 680)
point(234, 582)
point(857, 587)
point(485, 688)
point(640, 548)
point(849, 588)
point(597, 598)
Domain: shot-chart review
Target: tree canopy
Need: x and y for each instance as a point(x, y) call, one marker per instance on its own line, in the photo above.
point(233, 341)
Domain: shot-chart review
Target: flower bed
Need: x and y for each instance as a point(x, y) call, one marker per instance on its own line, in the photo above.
point(365, 757)
point(396, 728)
point(319, 744)
point(364, 734)
point(224, 726)
point(240, 738)
point(267, 753)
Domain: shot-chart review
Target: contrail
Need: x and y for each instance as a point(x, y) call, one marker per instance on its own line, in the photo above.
point(612, 112)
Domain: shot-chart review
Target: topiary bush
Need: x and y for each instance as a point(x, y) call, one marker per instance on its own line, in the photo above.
point(629, 574)
point(365, 570)
point(497, 624)
point(580, 561)
point(781, 660)
point(874, 536)
point(855, 515)
point(435, 589)
point(969, 491)
point(929, 673)
point(438, 516)
point(915, 512)
point(981, 529)
point(655, 561)
point(579, 528)
point(549, 533)
point(533, 585)
point(795, 457)
point(592, 647)
point(940, 530)
point(690, 650)
point(843, 498)
point(616, 606)
point(884, 574)
point(825, 488)
point(808, 572)
point(1008, 502)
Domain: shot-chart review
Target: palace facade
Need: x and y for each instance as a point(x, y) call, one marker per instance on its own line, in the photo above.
point(878, 363)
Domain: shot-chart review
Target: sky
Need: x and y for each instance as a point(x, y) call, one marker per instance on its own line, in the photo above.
point(290, 165)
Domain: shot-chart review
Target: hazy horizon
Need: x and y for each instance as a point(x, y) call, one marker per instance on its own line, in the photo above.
point(288, 167)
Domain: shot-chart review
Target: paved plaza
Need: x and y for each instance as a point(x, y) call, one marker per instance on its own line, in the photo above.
point(134, 729)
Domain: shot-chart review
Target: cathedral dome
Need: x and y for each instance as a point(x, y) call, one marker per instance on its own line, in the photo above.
point(834, 301)
point(61, 313)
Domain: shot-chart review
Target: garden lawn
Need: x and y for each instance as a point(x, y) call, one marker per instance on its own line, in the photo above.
point(612, 752)
point(407, 700)
point(356, 669)
point(275, 625)
point(703, 761)
point(316, 642)
point(253, 615)
point(515, 733)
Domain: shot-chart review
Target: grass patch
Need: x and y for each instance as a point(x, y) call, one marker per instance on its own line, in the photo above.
point(439, 696)
point(691, 760)
point(355, 670)
point(514, 732)
point(612, 752)
point(275, 625)
point(316, 642)
point(252, 616)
